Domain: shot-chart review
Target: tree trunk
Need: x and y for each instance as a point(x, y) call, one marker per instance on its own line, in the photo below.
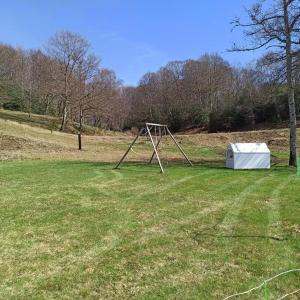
point(291, 90)
point(80, 128)
point(64, 118)
point(29, 103)
point(293, 124)
point(47, 105)
point(79, 141)
point(65, 109)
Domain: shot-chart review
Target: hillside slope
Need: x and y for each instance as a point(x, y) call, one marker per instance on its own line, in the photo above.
point(22, 141)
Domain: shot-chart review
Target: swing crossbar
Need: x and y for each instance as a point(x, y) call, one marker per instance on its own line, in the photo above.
point(158, 125)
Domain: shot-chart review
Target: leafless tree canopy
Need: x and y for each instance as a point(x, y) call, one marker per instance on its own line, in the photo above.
point(65, 80)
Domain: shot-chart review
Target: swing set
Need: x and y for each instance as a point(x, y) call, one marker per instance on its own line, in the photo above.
point(155, 133)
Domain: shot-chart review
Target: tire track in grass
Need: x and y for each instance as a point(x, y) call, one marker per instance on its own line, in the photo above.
point(275, 228)
point(205, 210)
point(94, 181)
point(79, 189)
point(170, 228)
point(276, 237)
point(118, 192)
point(194, 215)
point(109, 241)
point(118, 185)
point(209, 210)
point(224, 245)
point(113, 238)
point(152, 271)
point(235, 204)
point(145, 191)
point(154, 231)
point(228, 225)
point(231, 218)
point(174, 183)
point(166, 186)
point(185, 219)
point(116, 182)
point(275, 224)
point(151, 184)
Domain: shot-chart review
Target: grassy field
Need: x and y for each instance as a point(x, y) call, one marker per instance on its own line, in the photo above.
point(72, 227)
point(75, 229)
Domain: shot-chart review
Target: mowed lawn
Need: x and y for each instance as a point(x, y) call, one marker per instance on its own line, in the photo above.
point(73, 230)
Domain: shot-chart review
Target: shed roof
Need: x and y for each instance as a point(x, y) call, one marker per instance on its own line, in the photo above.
point(249, 147)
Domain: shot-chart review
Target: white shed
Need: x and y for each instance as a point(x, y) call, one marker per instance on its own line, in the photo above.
point(248, 156)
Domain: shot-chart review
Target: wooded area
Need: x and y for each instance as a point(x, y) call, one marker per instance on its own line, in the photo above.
point(66, 80)
point(207, 92)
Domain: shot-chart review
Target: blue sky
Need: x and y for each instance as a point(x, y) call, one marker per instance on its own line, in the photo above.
point(132, 37)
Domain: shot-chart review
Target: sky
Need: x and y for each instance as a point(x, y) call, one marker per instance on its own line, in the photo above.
point(132, 37)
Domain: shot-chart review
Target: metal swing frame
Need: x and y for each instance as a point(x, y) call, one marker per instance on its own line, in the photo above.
point(162, 130)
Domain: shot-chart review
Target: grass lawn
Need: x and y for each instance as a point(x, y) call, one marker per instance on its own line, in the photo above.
point(73, 229)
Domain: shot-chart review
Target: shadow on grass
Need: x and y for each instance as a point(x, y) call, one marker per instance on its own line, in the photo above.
point(145, 167)
point(154, 166)
point(200, 237)
point(197, 166)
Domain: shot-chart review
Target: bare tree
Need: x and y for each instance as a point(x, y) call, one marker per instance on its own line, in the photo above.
point(66, 81)
point(276, 26)
point(107, 108)
point(85, 91)
point(69, 50)
point(10, 69)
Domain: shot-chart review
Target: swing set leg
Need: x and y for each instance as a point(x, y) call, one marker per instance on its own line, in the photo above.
point(131, 145)
point(182, 152)
point(154, 148)
point(150, 161)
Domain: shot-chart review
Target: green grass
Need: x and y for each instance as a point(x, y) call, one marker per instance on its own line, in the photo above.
point(74, 230)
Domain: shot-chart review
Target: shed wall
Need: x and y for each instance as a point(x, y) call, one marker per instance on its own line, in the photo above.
point(251, 161)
